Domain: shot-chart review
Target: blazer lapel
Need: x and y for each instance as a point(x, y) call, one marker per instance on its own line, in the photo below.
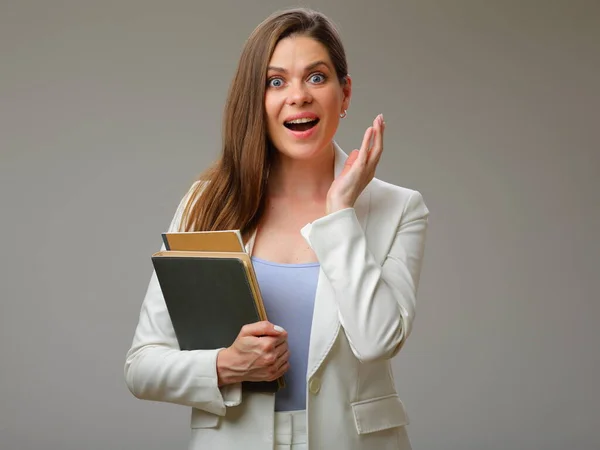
point(326, 325)
point(250, 244)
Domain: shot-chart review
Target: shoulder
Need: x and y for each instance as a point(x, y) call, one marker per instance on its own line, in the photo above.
point(389, 197)
point(191, 197)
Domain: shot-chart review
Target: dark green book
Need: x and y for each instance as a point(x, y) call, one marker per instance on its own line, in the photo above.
point(210, 296)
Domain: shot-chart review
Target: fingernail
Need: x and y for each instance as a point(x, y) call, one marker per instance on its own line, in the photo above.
point(278, 328)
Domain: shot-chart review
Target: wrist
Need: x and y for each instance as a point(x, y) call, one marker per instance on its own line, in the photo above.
point(336, 209)
point(224, 373)
point(335, 206)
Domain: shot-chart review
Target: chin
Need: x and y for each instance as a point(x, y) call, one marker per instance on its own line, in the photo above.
point(302, 150)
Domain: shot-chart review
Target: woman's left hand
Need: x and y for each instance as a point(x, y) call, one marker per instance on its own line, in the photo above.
point(358, 171)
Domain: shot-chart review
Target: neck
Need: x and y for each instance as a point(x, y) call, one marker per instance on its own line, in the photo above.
point(302, 179)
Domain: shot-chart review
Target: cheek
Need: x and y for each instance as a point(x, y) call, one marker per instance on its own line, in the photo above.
point(333, 111)
point(273, 104)
point(332, 125)
point(333, 104)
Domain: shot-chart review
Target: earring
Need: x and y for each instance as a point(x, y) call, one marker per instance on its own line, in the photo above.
point(344, 114)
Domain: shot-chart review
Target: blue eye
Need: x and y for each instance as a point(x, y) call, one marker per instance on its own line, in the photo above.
point(317, 78)
point(275, 82)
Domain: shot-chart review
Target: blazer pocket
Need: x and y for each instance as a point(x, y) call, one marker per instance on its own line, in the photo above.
point(204, 419)
point(378, 414)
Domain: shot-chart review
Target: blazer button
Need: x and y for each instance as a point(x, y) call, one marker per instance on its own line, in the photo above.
point(314, 385)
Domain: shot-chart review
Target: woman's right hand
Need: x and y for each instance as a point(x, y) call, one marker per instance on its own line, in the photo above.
point(259, 353)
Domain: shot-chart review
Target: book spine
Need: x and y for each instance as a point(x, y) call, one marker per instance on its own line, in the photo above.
point(165, 241)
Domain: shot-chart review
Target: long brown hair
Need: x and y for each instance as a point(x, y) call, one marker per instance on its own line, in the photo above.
point(232, 190)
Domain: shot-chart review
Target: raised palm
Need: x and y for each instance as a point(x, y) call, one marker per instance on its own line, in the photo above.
point(359, 169)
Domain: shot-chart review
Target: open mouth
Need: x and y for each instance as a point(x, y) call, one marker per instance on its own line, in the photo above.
point(301, 124)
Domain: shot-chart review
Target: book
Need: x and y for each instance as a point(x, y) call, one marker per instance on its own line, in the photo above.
point(210, 296)
point(205, 241)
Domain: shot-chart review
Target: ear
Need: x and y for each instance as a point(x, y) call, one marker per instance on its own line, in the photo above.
point(346, 92)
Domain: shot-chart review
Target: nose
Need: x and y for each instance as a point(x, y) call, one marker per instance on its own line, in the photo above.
point(298, 94)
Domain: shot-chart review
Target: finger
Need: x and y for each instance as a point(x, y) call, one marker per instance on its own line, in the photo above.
point(283, 369)
point(352, 157)
point(264, 328)
point(281, 366)
point(281, 344)
point(375, 153)
point(273, 357)
point(382, 126)
point(281, 350)
point(280, 371)
point(271, 345)
point(364, 148)
point(284, 358)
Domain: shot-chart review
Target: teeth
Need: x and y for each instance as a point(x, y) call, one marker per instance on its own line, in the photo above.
point(304, 120)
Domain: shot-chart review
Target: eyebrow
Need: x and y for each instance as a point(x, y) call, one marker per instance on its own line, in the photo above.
point(306, 69)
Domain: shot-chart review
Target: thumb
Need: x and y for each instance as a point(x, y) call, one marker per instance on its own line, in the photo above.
point(352, 157)
point(264, 328)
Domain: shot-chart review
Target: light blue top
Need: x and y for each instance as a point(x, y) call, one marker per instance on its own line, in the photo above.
point(288, 292)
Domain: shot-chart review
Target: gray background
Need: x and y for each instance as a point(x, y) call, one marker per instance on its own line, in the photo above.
point(110, 109)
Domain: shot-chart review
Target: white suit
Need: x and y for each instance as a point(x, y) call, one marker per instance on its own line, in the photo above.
point(370, 258)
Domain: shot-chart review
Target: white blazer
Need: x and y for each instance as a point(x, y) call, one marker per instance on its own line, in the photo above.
point(370, 258)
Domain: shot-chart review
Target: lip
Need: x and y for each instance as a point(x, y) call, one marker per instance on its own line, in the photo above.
point(304, 115)
point(303, 134)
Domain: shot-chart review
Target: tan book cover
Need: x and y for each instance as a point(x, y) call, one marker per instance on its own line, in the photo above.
point(205, 241)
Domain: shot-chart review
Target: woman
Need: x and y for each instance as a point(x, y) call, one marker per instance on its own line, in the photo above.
point(337, 254)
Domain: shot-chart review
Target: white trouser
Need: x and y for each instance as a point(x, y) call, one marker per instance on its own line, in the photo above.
point(290, 430)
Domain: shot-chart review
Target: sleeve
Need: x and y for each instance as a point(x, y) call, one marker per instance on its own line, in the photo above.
point(376, 302)
point(156, 369)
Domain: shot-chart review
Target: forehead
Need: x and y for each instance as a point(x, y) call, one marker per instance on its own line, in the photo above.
point(296, 52)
